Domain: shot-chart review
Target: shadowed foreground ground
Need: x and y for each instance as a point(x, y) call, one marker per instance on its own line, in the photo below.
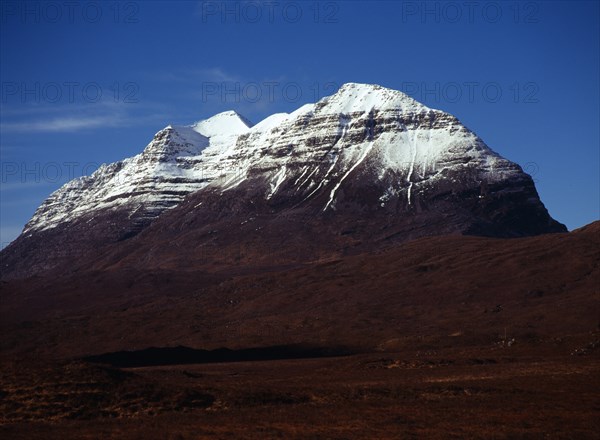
point(498, 393)
point(449, 337)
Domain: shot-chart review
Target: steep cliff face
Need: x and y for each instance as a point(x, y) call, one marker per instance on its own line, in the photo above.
point(367, 164)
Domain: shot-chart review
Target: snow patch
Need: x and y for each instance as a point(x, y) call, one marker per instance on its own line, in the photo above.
point(278, 178)
point(357, 163)
point(222, 124)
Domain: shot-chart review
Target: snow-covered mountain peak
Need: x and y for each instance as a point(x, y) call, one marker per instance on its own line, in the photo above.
point(175, 141)
point(229, 123)
point(326, 153)
point(270, 122)
point(355, 97)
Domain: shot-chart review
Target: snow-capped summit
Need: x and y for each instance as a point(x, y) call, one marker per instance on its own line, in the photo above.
point(270, 122)
point(227, 123)
point(355, 97)
point(175, 141)
point(364, 149)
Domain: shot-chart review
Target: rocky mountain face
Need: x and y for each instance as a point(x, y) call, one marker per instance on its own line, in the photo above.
point(360, 169)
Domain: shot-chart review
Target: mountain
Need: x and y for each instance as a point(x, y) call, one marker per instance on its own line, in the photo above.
point(359, 170)
point(451, 292)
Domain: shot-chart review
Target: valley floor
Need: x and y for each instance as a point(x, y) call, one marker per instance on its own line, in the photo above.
point(486, 393)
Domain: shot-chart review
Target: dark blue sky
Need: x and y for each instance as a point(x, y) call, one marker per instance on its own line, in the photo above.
point(91, 83)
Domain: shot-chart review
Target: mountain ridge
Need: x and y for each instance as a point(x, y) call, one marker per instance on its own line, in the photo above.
point(365, 151)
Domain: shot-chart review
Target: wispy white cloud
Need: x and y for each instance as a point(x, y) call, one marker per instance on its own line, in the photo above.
point(75, 117)
point(63, 124)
